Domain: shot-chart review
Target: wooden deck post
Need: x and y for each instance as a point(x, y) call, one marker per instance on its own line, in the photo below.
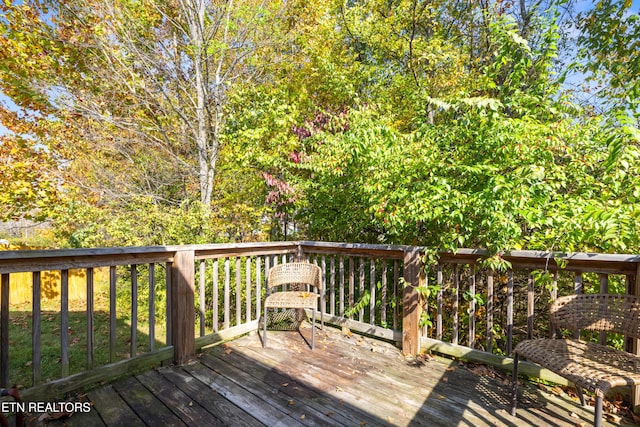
point(182, 306)
point(411, 309)
point(632, 344)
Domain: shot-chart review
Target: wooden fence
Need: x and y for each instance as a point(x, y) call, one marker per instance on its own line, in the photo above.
point(203, 294)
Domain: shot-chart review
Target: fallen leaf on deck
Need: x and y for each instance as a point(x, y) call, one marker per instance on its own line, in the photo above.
point(574, 415)
point(291, 402)
point(329, 414)
point(228, 351)
point(362, 423)
point(58, 415)
point(445, 380)
point(451, 369)
point(614, 418)
point(191, 403)
point(302, 416)
point(284, 384)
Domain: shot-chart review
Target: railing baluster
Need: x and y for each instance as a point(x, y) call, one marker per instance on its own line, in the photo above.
point(509, 311)
point(383, 294)
point(578, 288)
point(351, 286)
point(134, 310)
point(490, 298)
point(168, 269)
point(201, 289)
point(90, 319)
point(4, 330)
point(530, 306)
point(604, 289)
point(553, 332)
point(341, 312)
point(258, 286)
point(36, 343)
point(152, 306)
point(472, 307)
point(113, 277)
point(372, 291)
point(396, 279)
point(323, 265)
point(227, 295)
point(215, 297)
point(248, 285)
point(64, 322)
point(361, 288)
point(439, 279)
point(238, 292)
point(332, 287)
point(456, 292)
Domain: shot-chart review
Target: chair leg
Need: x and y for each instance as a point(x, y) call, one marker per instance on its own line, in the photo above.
point(514, 385)
point(580, 395)
point(597, 421)
point(264, 329)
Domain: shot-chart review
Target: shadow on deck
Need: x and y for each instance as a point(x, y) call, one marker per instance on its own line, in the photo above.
point(348, 380)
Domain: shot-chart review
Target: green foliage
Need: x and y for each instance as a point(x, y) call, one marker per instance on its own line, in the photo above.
point(503, 183)
point(609, 43)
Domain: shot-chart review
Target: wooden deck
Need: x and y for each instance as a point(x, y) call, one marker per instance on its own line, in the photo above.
point(348, 380)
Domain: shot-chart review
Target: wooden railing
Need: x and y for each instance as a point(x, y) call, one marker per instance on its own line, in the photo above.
point(181, 298)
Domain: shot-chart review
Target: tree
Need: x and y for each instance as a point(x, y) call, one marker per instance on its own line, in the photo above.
point(147, 83)
point(609, 42)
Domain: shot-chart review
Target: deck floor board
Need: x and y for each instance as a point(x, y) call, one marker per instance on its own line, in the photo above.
point(348, 380)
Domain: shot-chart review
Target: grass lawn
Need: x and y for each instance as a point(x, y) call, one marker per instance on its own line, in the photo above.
point(20, 338)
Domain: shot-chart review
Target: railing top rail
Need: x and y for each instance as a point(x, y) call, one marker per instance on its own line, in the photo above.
point(35, 260)
point(58, 259)
point(574, 261)
point(356, 249)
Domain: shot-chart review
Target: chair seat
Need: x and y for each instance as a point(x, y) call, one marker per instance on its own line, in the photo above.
point(292, 299)
point(592, 366)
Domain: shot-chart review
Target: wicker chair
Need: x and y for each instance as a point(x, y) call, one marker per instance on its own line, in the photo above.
point(301, 276)
point(587, 365)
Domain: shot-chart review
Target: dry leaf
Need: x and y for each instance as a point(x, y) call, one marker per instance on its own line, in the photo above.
point(191, 403)
point(302, 416)
point(363, 423)
point(284, 384)
point(329, 414)
point(574, 415)
point(291, 402)
point(614, 418)
point(445, 380)
point(228, 351)
point(451, 369)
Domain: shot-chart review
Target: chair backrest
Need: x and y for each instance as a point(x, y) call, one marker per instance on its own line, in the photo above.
point(292, 273)
point(598, 312)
